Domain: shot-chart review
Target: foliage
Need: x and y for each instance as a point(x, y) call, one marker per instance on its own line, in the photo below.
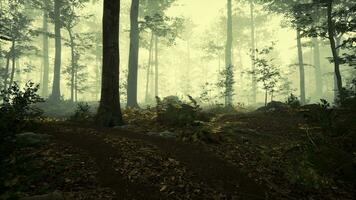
point(82, 113)
point(226, 83)
point(16, 107)
point(173, 111)
point(206, 95)
point(266, 73)
point(293, 101)
point(17, 112)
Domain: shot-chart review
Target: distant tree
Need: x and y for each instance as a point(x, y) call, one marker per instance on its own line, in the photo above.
point(56, 90)
point(16, 30)
point(78, 42)
point(109, 112)
point(228, 58)
point(133, 56)
point(266, 73)
point(162, 27)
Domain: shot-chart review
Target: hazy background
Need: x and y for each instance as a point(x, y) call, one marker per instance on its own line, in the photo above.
point(185, 66)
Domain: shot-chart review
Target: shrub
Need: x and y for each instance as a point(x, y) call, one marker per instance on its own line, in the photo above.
point(173, 111)
point(82, 113)
point(17, 112)
point(293, 101)
point(16, 107)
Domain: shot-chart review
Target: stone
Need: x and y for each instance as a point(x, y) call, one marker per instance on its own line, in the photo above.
point(168, 134)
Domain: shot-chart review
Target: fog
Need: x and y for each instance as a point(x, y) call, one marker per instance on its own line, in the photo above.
point(186, 64)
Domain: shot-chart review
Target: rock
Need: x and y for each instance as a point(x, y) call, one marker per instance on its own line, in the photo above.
point(125, 127)
point(32, 139)
point(168, 134)
point(152, 133)
point(274, 106)
point(51, 196)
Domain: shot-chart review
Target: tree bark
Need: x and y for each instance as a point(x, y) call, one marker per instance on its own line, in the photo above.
point(228, 55)
point(45, 47)
point(6, 75)
point(133, 56)
point(13, 59)
point(318, 76)
point(109, 112)
point(336, 59)
point(56, 91)
point(156, 66)
point(150, 55)
point(301, 68)
point(73, 64)
point(253, 56)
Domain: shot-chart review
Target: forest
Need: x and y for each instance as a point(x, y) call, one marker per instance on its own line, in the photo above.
point(177, 99)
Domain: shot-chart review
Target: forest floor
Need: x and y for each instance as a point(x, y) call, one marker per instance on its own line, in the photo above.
point(244, 162)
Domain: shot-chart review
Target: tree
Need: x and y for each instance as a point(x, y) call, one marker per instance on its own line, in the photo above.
point(77, 42)
point(162, 27)
point(228, 57)
point(265, 72)
point(16, 28)
point(133, 56)
point(45, 79)
point(253, 47)
point(109, 111)
point(301, 67)
point(56, 89)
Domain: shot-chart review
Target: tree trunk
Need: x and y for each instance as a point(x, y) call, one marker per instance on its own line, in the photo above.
point(253, 56)
point(73, 64)
point(150, 54)
point(97, 70)
point(318, 75)
point(301, 68)
point(228, 56)
point(266, 97)
point(156, 66)
point(13, 59)
point(56, 92)
point(6, 75)
point(45, 47)
point(331, 36)
point(109, 112)
point(76, 84)
point(133, 56)
point(18, 72)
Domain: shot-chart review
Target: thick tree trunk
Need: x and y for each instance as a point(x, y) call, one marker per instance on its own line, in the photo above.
point(318, 76)
point(109, 112)
point(253, 56)
point(45, 47)
point(133, 56)
point(228, 56)
point(301, 68)
point(150, 55)
point(56, 91)
point(331, 36)
point(156, 66)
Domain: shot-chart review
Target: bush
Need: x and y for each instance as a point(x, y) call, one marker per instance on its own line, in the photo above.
point(293, 101)
point(82, 113)
point(16, 107)
point(17, 111)
point(173, 111)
